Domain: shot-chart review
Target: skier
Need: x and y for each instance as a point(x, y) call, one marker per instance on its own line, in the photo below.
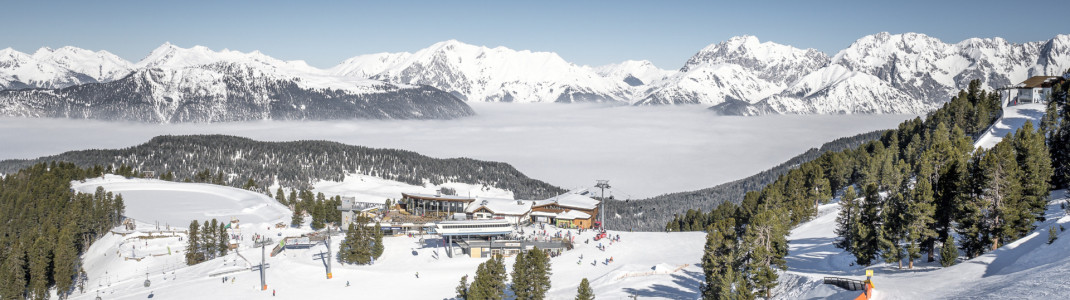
point(347, 283)
point(417, 274)
point(273, 292)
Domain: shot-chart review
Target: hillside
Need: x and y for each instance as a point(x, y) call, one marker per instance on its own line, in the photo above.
point(1020, 269)
point(296, 164)
point(651, 214)
point(650, 265)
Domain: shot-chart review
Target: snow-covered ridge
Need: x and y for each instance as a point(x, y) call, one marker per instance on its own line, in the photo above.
point(69, 66)
point(482, 74)
point(880, 73)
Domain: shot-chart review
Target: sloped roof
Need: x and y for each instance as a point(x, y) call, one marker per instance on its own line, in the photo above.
point(1036, 81)
point(437, 197)
point(572, 215)
point(576, 201)
point(501, 206)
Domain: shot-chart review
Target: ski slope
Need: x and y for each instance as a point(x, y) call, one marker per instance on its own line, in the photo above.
point(1014, 117)
point(1026, 268)
point(176, 204)
point(646, 264)
point(371, 189)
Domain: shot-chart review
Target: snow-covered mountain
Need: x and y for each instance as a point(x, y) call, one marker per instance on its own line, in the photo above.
point(482, 74)
point(881, 73)
point(634, 72)
point(174, 84)
point(909, 73)
point(57, 68)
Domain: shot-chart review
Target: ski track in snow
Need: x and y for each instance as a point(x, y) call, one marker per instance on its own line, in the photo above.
point(647, 264)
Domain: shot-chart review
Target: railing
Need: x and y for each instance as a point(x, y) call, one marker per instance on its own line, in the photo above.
point(852, 285)
point(846, 283)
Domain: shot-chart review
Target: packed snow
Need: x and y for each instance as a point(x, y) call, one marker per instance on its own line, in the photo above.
point(176, 203)
point(1014, 117)
point(649, 264)
point(371, 189)
point(1027, 268)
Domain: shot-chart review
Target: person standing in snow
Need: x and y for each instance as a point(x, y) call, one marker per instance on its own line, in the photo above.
point(417, 274)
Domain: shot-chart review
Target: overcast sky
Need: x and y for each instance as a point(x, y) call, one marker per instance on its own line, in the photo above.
point(583, 32)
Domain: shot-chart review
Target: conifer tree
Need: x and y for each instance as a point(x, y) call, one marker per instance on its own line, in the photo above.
point(490, 278)
point(719, 260)
point(279, 196)
point(14, 271)
point(765, 239)
point(970, 215)
point(1002, 194)
point(584, 292)
point(1052, 234)
point(1059, 143)
point(66, 259)
point(1035, 162)
point(298, 218)
point(893, 229)
point(521, 277)
point(867, 228)
point(919, 218)
point(207, 241)
point(949, 253)
point(346, 250)
point(193, 246)
point(846, 219)
point(224, 241)
point(377, 249)
point(39, 268)
point(462, 288)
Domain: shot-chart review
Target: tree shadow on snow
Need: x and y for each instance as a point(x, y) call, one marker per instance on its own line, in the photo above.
point(688, 283)
point(818, 256)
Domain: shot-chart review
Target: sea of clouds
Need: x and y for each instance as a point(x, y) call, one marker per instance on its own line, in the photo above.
point(643, 151)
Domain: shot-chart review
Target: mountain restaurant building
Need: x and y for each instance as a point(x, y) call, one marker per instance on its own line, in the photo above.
point(569, 210)
point(435, 206)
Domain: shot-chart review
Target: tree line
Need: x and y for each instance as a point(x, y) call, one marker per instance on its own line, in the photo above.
point(653, 213)
point(363, 244)
point(295, 164)
point(205, 242)
point(746, 243)
point(531, 279)
point(323, 210)
point(47, 226)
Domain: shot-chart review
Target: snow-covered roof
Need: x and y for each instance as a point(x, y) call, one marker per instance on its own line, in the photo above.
point(437, 197)
point(501, 206)
point(572, 215)
point(572, 200)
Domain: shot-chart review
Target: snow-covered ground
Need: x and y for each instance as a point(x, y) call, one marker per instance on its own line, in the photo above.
point(1027, 268)
point(654, 265)
point(373, 189)
point(1013, 118)
point(175, 203)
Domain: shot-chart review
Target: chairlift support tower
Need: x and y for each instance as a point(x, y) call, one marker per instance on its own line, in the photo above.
point(603, 184)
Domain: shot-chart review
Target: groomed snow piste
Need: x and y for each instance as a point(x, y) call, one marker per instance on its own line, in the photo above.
point(647, 264)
